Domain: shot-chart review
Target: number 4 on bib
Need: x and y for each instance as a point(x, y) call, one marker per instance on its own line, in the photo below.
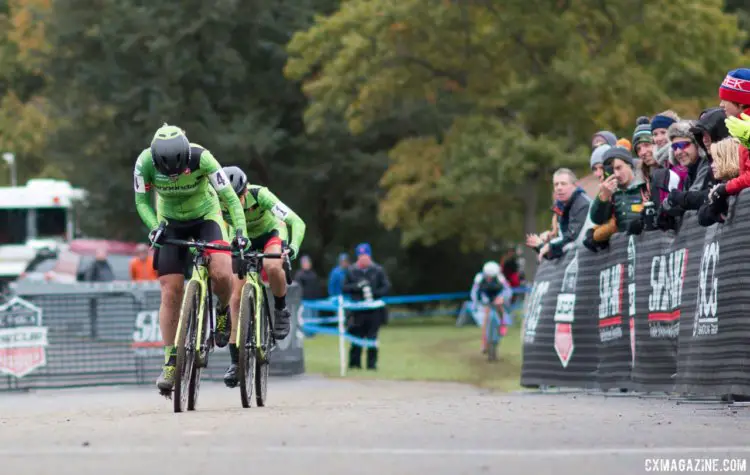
point(219, 180)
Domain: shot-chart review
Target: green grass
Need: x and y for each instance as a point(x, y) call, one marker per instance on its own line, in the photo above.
point(428, 349)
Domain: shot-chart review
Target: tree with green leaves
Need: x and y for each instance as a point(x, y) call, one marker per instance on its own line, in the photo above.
point(496, 97)
point(742, 10)
point(24, 116)
point(122, 68)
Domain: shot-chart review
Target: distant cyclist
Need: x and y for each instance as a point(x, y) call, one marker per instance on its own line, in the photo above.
point(268, 221)
point(189, 185)
point(491, 288)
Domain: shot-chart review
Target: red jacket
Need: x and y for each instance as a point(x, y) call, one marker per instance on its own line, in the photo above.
point(735, 185)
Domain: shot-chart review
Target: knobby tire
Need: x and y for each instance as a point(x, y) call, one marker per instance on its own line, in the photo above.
point(185, 353)
point(262, 362)
point(245, 346)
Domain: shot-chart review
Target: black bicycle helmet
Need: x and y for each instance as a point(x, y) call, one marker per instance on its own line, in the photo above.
point(170, 151)
point(237, 178)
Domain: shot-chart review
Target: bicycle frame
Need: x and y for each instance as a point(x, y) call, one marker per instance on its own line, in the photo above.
point(251, 278)
point(493, 324)
point(202, 277)
point(253, 265)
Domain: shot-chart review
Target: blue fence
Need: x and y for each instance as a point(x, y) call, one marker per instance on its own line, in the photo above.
point(313, 321)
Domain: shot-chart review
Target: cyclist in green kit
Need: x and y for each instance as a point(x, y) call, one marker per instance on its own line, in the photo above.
point(268, 221)
point(190, 186)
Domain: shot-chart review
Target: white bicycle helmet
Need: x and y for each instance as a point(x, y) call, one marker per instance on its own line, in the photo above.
point(491, 269)
point(237, 178)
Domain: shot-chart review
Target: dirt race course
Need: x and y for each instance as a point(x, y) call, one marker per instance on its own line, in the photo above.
point(319, 426)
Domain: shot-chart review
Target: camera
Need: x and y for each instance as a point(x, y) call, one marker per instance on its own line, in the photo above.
point(649, 216)
point(608, 171)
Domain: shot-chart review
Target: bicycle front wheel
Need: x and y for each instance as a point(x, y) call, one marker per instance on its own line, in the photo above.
point(263, 351)
point(199, 361)
point(185, 343)
point(492, 337)
point(245, 344)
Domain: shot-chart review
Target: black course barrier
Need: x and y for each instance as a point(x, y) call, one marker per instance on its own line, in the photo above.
point(71, 335)
point(662, 311)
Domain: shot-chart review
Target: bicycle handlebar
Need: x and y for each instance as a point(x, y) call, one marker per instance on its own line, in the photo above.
point(220, 247)
point(202, 245)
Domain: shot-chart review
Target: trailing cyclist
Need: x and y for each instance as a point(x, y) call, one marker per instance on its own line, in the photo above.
point(190, 186)
point(490, 286)
point(267, 220)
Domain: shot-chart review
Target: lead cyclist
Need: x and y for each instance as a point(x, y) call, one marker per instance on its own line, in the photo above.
point(267, 220)
point(190, 186)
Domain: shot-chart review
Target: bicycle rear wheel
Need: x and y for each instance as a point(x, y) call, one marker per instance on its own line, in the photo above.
point(262, 360)
point(245, 344)
point(185, 346)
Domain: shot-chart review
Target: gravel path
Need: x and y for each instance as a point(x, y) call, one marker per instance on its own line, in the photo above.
point(319, 426)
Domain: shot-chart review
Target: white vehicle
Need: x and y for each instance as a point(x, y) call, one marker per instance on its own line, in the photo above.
point(34, 217)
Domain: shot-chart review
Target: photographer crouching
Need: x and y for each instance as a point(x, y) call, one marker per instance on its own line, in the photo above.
point(365, 281)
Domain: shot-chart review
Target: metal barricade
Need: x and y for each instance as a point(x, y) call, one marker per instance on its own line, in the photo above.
point(72, 335)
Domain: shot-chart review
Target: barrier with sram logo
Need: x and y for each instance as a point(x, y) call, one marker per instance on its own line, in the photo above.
point(662, 311)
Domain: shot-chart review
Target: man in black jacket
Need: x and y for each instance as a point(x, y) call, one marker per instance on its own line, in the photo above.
point(365, 280)
point(571, 207)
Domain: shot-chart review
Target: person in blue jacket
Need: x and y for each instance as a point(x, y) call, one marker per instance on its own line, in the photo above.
point(336, 278)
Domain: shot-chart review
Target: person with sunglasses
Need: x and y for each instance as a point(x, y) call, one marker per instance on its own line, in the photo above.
point(689, 156)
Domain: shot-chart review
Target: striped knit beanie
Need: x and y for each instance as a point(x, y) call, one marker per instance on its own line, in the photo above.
point(642, 132)
point(736, 86)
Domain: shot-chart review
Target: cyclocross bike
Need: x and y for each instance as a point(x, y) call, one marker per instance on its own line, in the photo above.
point(494, 331)
point(195, 330)
point(255, 340)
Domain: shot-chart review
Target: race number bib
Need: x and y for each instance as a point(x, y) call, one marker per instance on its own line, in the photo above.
point(280, 211)
point(219, 180)
point(139, 184)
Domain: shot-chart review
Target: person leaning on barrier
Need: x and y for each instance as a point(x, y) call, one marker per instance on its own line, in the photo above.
point(365, 281)
point(710, 128)
point(734, 93)
point(571, 207)
point(621, 194)
point(725, 166)
point(740, 129)
point(687, 161)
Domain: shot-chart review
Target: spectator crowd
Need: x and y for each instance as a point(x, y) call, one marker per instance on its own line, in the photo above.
point(647, 182)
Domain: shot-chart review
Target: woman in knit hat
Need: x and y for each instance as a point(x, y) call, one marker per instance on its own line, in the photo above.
point(659, 125)
point(658, 184)
point(734, 92)
point(603, 137)
point(597, 160)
